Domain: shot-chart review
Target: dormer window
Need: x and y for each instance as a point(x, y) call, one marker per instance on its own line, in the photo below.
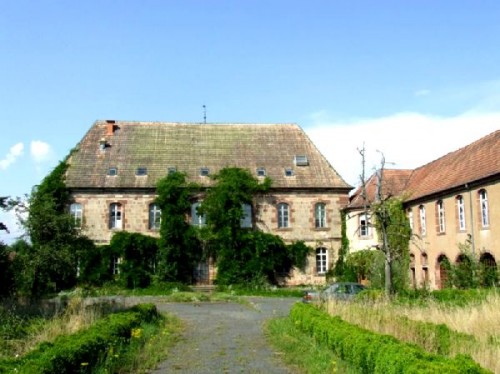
point(204, 172)
point(141, 171)
point(261, 172)
point(112, 171)
point(171, 170)
point(102, 144)
point(301, 160)
point(288, 172)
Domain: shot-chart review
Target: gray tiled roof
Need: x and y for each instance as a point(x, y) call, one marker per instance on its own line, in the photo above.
point(189, 147)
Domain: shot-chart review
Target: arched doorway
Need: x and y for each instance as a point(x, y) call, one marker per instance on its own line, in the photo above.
point(464, 272)
point(488, 270)
point(442, 266)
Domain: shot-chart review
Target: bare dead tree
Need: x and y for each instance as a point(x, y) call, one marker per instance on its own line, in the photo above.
point(385, 222)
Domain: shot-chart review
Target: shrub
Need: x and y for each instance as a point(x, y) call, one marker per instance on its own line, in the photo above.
point(80, 352)
point(375, 353)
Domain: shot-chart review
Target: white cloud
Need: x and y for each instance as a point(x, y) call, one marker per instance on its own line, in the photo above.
point(408, 140)
point(40, 151)
point(14, 152)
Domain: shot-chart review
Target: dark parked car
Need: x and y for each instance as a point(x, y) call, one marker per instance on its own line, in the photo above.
point(337, 291)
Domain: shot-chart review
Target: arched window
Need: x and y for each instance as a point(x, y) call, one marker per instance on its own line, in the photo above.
point(483, 205)
point(76, 212)
point(460, 213)
point(423, 228)
point(283, 215)
point(321, 260)
point(154, 216)
point(320, 215)
point(115, 216)
point(441, 226)
point(410, 218)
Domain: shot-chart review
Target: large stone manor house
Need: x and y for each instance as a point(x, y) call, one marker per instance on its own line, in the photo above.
point(113, 173)
point(455, 199)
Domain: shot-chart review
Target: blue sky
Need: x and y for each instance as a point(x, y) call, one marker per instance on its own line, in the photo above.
point(413, 79)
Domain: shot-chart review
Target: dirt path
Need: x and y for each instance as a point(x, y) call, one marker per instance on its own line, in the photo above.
point(225, 337)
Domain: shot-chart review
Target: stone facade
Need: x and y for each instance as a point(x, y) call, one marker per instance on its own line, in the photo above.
point(135, 218)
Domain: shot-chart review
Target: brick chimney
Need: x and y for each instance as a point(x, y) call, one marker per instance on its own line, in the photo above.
point(110, 127)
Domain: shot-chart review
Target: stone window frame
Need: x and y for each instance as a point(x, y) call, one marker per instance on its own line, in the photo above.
point(116, 216)
point(76, 212)
point(154, 216)
point(283, 217)
point(321, 258)
point(320, 217)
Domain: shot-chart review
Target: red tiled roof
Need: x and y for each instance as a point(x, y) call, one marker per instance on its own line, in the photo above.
point(393, 184)
point(478, 160)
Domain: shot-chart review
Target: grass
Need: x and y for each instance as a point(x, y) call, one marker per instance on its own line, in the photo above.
point(24, 329)
point(150, 344)
point(478, 320)
point(301, 351)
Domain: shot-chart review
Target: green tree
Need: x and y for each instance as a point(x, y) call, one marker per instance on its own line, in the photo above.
point(363, 265)
point(394, 229)
point(56, 243)
point(179, 247)
point(138, 258)
point(243, 255)
point(340, 271)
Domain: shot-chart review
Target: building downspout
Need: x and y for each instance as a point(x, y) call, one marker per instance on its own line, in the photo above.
point(473, 244)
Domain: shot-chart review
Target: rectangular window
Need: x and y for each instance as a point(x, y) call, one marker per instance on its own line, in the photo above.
point(485, 215)
point(461, 213)
point(171, 170)
point(116, 265)
point(204, 172)
point(301, 160)
point(288, 172)
point(441, 220)
point(76, 212)
point(141, 172)
point(115, 216)
point(261, 172)
point(246, 220)
point(112, 172)
point(321, 260)
point(197, 219)
point(423, 229)
point(410, 219)
point(154, 217)
point(283, 215)
point(320, 215)
point(364, 226)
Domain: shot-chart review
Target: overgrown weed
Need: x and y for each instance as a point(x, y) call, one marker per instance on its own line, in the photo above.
point(477, 319)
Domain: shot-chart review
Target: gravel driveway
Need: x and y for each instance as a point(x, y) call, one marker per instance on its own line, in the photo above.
point(225, 337)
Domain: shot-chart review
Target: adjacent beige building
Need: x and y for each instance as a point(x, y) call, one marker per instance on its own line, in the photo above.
point(113, 172)
point(453, 203)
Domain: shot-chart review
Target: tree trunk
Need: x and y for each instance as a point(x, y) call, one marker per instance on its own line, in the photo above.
point(388, 261)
